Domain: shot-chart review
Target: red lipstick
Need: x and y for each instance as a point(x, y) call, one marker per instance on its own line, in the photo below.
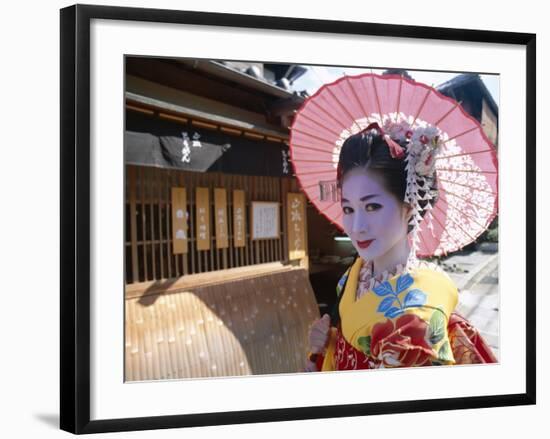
point(364, 244)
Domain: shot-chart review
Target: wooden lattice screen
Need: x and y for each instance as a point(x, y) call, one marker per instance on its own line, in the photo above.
point(148, 228)
point(242, 326)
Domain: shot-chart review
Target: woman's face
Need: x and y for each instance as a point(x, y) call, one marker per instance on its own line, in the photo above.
point(373, 218)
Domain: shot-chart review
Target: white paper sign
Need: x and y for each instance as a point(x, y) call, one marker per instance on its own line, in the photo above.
point(265, 220)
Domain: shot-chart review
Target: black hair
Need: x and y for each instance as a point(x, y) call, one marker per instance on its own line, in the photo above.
point(367, 149)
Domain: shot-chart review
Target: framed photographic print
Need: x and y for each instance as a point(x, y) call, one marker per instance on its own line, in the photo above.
point(275, 218)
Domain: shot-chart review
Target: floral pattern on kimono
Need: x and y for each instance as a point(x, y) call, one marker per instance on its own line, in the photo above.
point(408, 320)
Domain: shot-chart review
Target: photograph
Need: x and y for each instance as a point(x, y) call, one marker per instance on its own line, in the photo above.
point(272, 219)
point(297, 218)
point(275, 219)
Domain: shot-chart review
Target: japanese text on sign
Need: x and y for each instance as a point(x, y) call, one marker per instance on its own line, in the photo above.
point(265, 220)
point(239, 225)
point(220, 207)
point(179, 220)
point(296, 225)
point(203, 219)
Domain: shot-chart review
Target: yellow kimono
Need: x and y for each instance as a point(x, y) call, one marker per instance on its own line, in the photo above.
point(402, 322)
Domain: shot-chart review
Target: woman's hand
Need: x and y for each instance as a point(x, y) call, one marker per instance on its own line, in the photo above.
point(318, 334)
point(318, 337)
point(310, 366)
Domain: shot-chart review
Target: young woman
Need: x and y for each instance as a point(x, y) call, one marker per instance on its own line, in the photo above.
point(393, 310)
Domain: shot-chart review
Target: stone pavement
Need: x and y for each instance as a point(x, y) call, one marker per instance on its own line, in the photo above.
point(476, 276)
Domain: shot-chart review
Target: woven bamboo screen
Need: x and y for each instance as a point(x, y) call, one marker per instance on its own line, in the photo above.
point(255, 325)
point(148, 240)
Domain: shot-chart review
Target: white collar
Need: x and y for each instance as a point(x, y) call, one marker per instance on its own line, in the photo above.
point(367, 281)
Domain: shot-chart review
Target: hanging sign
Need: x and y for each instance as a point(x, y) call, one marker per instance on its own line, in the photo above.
point(179, 220)
point(296, 226)
point(220, 208)
point(265, 220)
point(239, 220)
point(203, 219)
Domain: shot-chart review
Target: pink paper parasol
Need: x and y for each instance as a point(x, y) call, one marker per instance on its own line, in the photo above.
point(465, 167)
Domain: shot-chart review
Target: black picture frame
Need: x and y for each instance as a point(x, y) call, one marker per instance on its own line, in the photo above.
point(75, 217)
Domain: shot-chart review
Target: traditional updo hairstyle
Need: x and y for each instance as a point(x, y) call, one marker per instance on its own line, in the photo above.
point(369, 150)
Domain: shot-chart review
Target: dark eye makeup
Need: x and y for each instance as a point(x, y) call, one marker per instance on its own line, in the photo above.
point(347, 210)
point(370, 207)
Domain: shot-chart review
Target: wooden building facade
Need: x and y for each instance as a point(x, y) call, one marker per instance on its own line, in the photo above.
point(233, 151)
point(150, 237)
point(216, 227)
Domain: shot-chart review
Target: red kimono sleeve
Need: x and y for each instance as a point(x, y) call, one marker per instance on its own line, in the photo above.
point(467, 344)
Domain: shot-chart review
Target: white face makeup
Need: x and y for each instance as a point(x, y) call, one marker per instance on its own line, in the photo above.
point(374, 219)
